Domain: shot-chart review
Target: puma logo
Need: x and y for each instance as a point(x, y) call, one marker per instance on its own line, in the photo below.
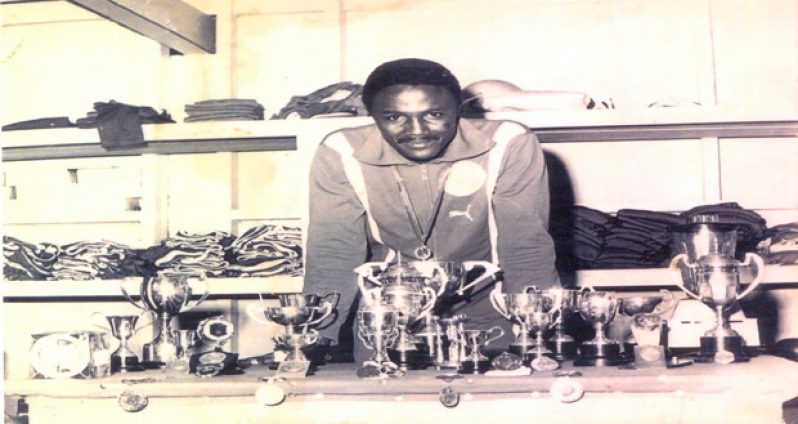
point(466, 213)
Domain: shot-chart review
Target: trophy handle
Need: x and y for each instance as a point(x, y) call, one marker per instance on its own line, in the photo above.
point(667, 305)
point(366, 272)
point(432, 298)
point(334, 295)
point(152, 321)
point(203, 280)
point(328, 308)
point(363, 338)
point(676, 274)
point(528, 289)
point(256, 312)
point(311, 337)
point(760, 266)
point(490, 270)
point(587, 288)
point(498, 302)
point(492, 330)
point(140, 303)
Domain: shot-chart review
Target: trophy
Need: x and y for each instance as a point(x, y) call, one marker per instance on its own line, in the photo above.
point(122, 327)
point(541, 316)
point(718, 283)
point(706, 269)
point(475, 361)
point(518, 308)
point(166, 295)
point(377, 328)
point(564, 302)
point(297, 312)
point(646, 313)
point(598, 308)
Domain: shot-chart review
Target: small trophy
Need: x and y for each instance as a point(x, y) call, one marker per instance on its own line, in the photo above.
point(517, 307)
point(598, 308)
point(647, 314)
point(475, 361)
point(564, 302)
point(166, 295)
point(297, 313)
point(540, 319)
point(378, 329)
point(122, 327)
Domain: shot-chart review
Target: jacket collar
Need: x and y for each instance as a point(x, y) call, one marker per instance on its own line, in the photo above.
point(467, 143)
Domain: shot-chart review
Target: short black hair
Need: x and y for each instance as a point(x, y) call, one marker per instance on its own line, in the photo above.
point(410, 71)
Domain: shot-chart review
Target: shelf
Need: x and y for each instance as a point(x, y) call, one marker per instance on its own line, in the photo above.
point(277, 135)
point(616, 278)
point(39, 290)
point(661, 277)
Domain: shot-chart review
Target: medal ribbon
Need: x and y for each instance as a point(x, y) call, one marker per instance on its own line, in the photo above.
point(422, 233)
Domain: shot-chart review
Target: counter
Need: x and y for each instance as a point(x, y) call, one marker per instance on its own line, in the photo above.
point(750, 392)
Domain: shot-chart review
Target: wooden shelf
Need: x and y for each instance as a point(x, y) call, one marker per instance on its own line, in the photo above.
point(40, 290)
point(278, 135)
point(616, 278)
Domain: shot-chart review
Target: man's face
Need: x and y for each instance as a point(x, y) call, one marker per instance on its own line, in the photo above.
point(419, 121)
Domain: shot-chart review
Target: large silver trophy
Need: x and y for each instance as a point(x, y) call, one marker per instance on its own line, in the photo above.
point(378, 329)
point(167, 295)
point(707, 270)
point(598, 308)
point(297, 313)
point(646, 313)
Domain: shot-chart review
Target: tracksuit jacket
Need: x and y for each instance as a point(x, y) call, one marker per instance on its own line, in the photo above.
point(357, 215)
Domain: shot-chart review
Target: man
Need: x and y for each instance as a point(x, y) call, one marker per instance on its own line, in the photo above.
point(421, 181)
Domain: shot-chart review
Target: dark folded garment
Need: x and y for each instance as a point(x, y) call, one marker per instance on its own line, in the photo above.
point(665, 218)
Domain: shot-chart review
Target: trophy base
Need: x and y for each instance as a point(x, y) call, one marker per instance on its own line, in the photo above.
point(126, 364)
point(563, 350)
point(293, 369)
point(604, 355)
point(475, 367)
point(646, 357)
point(408, 360)
point(732, 344)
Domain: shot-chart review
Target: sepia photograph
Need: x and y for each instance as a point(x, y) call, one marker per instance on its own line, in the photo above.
point(399, 211)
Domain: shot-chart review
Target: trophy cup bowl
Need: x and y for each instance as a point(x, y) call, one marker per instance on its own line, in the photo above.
point(167, 294)
point(598, 308)
point(378, 329)
point(565, 302)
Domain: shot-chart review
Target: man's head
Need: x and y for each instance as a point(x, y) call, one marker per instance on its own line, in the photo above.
point(415, 104)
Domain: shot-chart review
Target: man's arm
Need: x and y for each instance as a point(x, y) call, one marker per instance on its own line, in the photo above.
point(336, 239)
point(521, 207)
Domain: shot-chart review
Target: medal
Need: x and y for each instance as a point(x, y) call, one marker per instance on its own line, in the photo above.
point(422, 252)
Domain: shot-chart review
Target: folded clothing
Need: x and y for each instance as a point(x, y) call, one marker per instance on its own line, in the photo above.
point(224, 110)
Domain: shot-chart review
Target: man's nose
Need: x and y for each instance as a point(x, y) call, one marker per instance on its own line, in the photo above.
point(417, 126)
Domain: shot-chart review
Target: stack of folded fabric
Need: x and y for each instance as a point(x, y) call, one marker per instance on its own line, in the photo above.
point(87, 260)
point(266, 250)
point(586, 238)
point(780, 245)
point(190, 252)
point(224, 110)
point(28, 261)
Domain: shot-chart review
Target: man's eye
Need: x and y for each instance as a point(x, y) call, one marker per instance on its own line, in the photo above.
point(436, 115)
point(391, 118)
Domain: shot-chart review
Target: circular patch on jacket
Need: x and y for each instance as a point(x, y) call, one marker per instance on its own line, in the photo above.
point(466, 178)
